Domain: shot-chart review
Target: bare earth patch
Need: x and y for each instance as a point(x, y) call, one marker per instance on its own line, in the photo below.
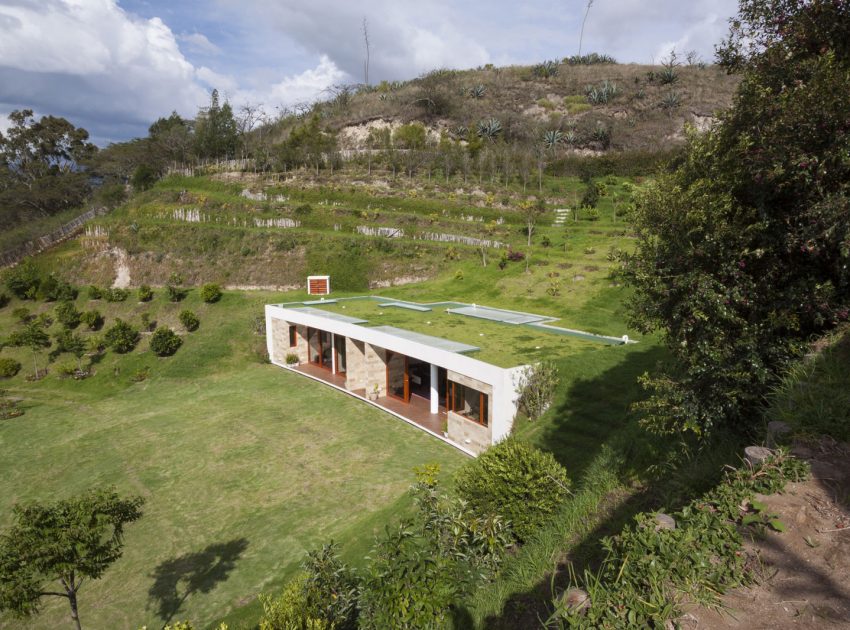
point(804, 572)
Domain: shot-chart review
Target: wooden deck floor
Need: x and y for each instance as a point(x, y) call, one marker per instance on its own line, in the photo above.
point(418, 410)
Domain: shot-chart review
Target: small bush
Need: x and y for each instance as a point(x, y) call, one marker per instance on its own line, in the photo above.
point(164, 342)
point(291, 358)
point(4, 299)
point(115, 295)
point(68, 315)
point(95, 292)
point(537, 386)
point(175, 293)
point(9, 407)
point(147, 323)
point(289, 611)
point(92, 319)
point(53, 289)
point(9, 367)
point(517, 481)
point(210, 293)
point(145, 293)
point(140, 375)
point(121, 337)
point(189, 320)
point(23, 280)
point(22, 314)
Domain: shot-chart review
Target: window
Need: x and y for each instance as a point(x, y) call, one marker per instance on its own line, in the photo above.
point(293, 336)
point(469, 403)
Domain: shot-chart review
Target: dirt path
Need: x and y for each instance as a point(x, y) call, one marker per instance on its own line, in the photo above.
point(122, 269)
point(805, 571)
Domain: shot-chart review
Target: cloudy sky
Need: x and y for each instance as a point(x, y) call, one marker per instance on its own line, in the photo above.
point(114, 66)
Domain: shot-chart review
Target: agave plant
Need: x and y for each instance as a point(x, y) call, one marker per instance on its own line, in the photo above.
point(552, 138)
point(489, 129)
point(546, 69)
point(671, 100)
point(461, 131)
point(589, 59)
point(571, 137)
point(602, 135)
point(477, 91)
point(602, 93)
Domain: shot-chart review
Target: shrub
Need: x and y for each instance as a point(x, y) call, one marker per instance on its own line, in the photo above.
point(289, 610)
point(121, 337)
point(23, 280)
point(147, 323)
point(517, 481)
point(9, 407)
point(210, 293)
point(22, 314)
point(330, 588)
point(92, 319)
point(4, 299)
point(590, 197)
point(115, 295)
point(291, 358)
point(68, 315)
point(189, 320)
point(175, 292)
point(95, 292)
point(145, 293)
point(537, 386)
point(9, 367)
point(164, 342)
point(53, 289)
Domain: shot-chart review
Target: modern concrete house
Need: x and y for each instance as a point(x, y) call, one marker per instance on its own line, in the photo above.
point(427, 380)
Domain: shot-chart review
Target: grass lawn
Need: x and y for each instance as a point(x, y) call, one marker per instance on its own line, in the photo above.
point(244, 467)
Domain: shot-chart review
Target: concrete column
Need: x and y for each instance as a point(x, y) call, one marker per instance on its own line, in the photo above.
point(435, 390)
point(333, 355)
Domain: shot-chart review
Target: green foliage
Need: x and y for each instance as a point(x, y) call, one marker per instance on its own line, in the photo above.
point(743, 252)
point(290, 611)
point(145, 293)
point(53, 289)
point(23, 280)
point(307, 145)
point(330, 588)
point(589, 59)
point(546, 69)
point(601, 94)
point(537, 386)
point(60, 545)
point(649, 571)
point(93, 319)
point(144, 177)
point(489, 129)
point(814, 395)
point(590, 197)
point(4, 299)
point(121, 337)
point(175, 292)
point(41, 167)
point(189, 320)
point(216, 131)
point(68, 315)
point(210, 293)
point(9, 367)
point(517, 481)
point(22, 314)
point(164, 342)
point(291, 358)
point(115, 294)
point(95, 292)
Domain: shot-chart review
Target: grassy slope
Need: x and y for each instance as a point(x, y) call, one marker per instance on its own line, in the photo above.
point(238, 484)
point(215, 386)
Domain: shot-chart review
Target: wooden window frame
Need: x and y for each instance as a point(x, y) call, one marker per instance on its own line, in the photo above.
point(320, 362)
point(406, 397)
point(483, 403)
point(293, 336)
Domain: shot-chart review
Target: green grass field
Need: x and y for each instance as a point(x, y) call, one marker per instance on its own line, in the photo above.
point(244, 467)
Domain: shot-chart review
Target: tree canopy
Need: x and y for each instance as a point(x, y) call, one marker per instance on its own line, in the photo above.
point(743, 251)
point(68, 542)
point(42, 166)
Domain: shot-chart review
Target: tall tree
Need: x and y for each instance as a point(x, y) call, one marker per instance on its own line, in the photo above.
point(69, 541)
point(744, 253)
point(42, 166)
point(216, 130)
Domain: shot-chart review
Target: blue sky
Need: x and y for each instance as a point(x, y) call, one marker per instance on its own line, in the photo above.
point(114, 66)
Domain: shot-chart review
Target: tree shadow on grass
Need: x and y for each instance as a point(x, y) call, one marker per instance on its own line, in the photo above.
point(197, 572)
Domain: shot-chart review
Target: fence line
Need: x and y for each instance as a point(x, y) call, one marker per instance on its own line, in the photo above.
point(36, 246)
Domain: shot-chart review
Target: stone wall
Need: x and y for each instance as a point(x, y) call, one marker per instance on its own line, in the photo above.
point(300, 344)
point(355, 359)
point(376, 369)
point(280, 340)
point(469, 434)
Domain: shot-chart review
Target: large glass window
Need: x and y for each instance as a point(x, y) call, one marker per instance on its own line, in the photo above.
point(468, 402)
point(397, 377)
point(293, 336)
point(319, 342)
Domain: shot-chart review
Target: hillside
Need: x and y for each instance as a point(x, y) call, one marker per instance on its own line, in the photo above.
point(643, 108)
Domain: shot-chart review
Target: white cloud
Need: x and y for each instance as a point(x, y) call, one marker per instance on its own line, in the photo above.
point(199, 43)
